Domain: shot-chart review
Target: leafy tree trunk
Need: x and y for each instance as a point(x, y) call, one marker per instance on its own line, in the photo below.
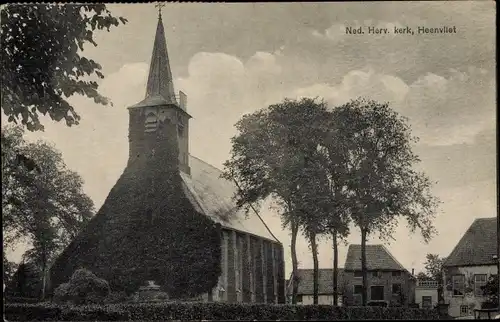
point(335, 269)
point(314, 248)
point(295, 278)
point(44, 271)
point(364, 293)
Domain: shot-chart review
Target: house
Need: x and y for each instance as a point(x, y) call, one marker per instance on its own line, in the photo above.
point(251, 258)
point(426, 293)
point(388, 281)
point(325, 286)
point(468, 267)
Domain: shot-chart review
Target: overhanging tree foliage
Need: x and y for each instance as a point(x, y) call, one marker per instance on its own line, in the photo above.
point(45, 206)
point(42, 62)
point(375, 144)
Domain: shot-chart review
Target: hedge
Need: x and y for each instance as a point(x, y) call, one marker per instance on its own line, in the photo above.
point(210, 311)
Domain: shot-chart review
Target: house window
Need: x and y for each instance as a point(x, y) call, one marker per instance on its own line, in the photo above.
point(396, 274)
point(458, 282)
point(464, 310)
point(376, 274)
point(396, 288)
point(426, 302)
point(299, 298)
point(480, 280)
point(358, 289)
point(358, 274)
point(377, 293)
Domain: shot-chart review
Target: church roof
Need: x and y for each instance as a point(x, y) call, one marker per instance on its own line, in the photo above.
point(213, 196)
point(477, 246)
point(160, 86)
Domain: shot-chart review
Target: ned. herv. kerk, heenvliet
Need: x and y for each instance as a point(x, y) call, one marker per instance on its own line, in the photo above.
point(170, 216)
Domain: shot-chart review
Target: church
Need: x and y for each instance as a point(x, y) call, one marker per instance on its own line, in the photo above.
point(251, 258)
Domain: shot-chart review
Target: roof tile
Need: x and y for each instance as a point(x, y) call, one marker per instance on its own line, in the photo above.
point(377, 258)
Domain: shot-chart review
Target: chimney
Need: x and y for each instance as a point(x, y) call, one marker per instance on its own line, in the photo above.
point(412, 271)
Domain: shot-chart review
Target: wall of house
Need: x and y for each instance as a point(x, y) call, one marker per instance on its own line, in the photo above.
point(421, 292)
point(252, 270)
point(383, 278)
point(464, 305)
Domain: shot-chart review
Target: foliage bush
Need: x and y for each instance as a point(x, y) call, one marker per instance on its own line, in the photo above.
point(84, 287)
point(212, 311)
point(26, 282)
point(17, 299)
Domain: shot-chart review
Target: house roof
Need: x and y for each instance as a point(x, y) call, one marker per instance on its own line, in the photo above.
point(378, 257)
point(325, 281)
point(477, 246)
point(213, 196)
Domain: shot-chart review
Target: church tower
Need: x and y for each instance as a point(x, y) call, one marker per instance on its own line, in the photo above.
point(160, 120)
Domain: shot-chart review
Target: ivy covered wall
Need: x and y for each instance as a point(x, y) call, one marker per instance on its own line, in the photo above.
point(147, 229)
point(458, 303)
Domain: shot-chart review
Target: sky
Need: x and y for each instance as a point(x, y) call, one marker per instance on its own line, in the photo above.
point(233, 59)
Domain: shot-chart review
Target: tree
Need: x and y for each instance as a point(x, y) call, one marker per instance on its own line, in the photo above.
point(9, 269)
point(434, 269)
point(268, 158)
point(42, 63)
point(375, 144)
point(336, 216)
point(423, 277)
point(491, 292)
point(47, 207)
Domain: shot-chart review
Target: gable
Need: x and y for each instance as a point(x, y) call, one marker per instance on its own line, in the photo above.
point(477, 246)
point(213, 196)
point(377, 258)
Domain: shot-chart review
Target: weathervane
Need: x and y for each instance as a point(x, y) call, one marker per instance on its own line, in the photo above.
point(159, 5)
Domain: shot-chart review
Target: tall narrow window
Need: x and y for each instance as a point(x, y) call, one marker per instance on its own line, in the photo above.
point(479, 281)
point(458, 282)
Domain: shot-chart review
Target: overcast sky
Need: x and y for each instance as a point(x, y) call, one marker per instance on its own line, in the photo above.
point(232, 59)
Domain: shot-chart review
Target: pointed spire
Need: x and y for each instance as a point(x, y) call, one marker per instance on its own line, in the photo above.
point(160, 80)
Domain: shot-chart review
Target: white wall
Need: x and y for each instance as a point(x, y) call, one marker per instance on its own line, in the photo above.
point(419, 292)
point(322, 300)
point(469, 300)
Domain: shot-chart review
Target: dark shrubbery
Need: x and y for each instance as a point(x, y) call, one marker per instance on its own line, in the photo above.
point(211, 311)
point(84, 287)
point(490, 291)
